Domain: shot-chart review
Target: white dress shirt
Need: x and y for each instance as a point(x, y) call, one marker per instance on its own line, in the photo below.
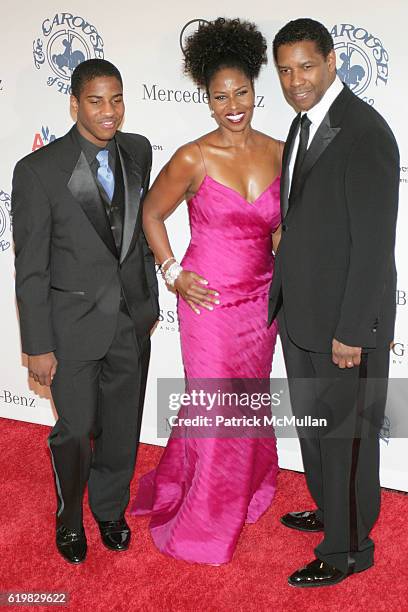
point(316, 115)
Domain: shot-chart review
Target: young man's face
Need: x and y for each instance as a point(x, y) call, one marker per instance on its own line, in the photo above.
point(100, 109)
point(304, 73)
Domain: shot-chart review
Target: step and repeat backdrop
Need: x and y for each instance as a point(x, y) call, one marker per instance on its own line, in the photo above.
point(41, 44)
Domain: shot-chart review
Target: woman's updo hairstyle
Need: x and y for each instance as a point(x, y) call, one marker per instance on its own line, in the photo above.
point(224, 43)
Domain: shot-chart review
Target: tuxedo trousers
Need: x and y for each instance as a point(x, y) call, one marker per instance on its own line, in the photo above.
point(99, 405)
point(341, 459)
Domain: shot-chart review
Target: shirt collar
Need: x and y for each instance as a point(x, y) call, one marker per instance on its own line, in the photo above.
point(91, 150)
point(317, 113)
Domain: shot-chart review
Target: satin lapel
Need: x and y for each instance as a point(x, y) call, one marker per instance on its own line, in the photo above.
point(287, 153)
point(85, 191)
point(133, 183)
point(323, 137)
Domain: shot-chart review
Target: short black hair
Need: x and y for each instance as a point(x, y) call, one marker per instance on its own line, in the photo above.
point(224, 43)
point(91, 69)
point(304, 29)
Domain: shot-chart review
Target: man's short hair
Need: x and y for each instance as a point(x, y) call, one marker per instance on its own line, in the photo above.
point(91, 69)
point(304, 29)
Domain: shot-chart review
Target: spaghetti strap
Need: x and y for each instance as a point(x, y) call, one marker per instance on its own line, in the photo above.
point(202, 156)
point(281, 147)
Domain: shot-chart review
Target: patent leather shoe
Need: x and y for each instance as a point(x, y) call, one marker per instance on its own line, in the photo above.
point(317, 574)
point(71, 544)
point(302, 521)
point(115, 534)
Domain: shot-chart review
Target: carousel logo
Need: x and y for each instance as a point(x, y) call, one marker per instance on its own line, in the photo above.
point(5, 221)
point(398, 353)
point(188, 30)
point(362, 59)
point(66, 41)
point(42, 138)
point(168, 320)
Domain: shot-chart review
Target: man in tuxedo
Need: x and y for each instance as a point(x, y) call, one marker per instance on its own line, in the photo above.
point(87, 298)
point(334, 294)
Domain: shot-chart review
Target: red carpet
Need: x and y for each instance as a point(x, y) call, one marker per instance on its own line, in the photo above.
point(143, 579)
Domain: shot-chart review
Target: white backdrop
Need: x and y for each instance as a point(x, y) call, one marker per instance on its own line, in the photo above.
point(40, 44)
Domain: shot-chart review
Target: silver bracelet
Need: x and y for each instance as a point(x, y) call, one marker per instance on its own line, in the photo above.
point(166, 261)
point(172, 273)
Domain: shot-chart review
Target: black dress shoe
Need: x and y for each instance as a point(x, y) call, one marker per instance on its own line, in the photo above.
point(316, 574)
point(71, 544)
point(303, 521)
point(115, 534)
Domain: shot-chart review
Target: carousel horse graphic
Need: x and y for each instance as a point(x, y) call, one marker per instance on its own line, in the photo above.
point(350, 75)
point(68, 59)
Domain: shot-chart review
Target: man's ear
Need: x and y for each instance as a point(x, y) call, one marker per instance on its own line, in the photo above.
point(331, 60)
point(73, 102)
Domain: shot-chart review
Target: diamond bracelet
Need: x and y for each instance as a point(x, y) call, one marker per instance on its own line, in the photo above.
point(172, 273)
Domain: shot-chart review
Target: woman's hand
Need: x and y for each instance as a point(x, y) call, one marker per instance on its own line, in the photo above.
point(276, 238)
point(192, 288)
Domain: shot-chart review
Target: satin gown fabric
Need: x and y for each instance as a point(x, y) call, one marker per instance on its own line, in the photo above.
point(205, 489)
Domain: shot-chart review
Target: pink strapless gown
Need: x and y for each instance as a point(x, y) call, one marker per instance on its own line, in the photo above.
point(205, 489)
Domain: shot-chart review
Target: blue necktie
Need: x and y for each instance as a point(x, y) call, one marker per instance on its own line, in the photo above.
point(105, 174)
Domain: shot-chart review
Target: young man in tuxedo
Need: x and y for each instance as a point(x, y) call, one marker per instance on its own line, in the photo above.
point(87, 298)
point(334, 293)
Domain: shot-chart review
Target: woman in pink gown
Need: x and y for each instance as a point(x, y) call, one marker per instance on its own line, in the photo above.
point(206, 488)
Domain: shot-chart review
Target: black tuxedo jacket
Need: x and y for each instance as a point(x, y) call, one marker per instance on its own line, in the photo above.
point(334, 270)
point(69, 275)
